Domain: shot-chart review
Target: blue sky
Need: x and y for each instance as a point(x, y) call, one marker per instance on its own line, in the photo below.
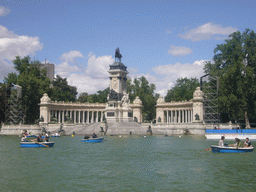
point(162, 40)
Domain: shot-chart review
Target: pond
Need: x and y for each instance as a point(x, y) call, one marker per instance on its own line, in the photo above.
point(126, 163)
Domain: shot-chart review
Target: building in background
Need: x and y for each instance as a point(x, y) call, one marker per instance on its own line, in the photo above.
point(50, 68)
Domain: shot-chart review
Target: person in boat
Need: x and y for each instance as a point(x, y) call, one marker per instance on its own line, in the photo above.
point(23, 138)
point(221, 142)
point(94, 135)
point(39, 138)
point(237, 144)
point(247, 143)
point(86, 136)
point(46, 137)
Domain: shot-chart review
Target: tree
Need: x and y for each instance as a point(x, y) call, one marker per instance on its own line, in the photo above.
point(61, 91)
point(11, 79)
point(83, 97)
point(183, 90)
point(141, 87)
point(235, 65)
point(100, 97)
point(34, 83)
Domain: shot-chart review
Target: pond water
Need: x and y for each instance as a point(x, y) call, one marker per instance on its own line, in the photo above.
point(127, 163)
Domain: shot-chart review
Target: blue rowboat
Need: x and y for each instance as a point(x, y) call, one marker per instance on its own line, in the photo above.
point(55, 135)
point(39, 144)
point(225, 149)
point(31, 136)
point(93, 140)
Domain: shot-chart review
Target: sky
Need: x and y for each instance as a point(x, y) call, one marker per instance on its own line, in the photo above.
point(162, 40)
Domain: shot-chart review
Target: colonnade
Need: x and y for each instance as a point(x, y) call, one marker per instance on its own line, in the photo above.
point(178, 116)
point(76, 116)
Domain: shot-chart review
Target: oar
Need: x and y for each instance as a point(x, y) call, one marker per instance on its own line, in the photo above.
point(39, 143)
point(42, 144)
point(208, 149)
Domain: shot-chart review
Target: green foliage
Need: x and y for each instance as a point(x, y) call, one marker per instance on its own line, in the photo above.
point(183, 90)
point(83, 97)
point(141, 87)
point(11, 79)
point(34, 83)
point(100, 97)
point(61, 91)
point(235, 64)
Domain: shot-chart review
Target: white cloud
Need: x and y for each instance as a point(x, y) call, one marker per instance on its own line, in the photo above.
point(4, 11)
point(71, 56)
point(12, 45)
point(98, 67)
point(166, 75)
point(179, 51)
point(64, 69)
point(208, 31)
point(88, 79)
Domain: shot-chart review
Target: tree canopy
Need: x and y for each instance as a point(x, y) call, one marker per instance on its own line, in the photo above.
point(100, 97)
point(61, 91)
point(34, 83)
point(141, 87)
point(235, 65)
point(183, 90)
point(32, 78)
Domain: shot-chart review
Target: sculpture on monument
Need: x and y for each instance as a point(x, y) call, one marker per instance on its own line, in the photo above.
point(118, 55)
point(125, 100)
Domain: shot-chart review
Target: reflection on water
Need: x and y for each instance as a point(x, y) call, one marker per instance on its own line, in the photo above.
point(133, 163)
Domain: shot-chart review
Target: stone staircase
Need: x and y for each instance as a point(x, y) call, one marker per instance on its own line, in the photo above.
point(125, 128)
point(82, 129)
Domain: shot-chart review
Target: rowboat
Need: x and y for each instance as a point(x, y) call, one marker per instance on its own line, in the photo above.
point(93, 140)
point(37, 144)
point(56, 135)
point(226, 149)
point(31, 136)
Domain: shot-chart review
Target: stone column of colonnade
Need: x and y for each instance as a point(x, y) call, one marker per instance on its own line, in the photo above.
point(178, 116)
point(80, 116)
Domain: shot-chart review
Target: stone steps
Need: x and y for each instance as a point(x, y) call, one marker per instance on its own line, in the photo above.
point(125, 128)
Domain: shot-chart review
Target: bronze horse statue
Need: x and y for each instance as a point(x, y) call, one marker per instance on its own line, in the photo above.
point(118, 54)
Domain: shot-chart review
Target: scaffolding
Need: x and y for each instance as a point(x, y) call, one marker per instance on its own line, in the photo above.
point(14, 109)
point(210, 86)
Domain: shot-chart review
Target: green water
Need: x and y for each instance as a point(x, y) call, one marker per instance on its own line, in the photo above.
point(153, 163)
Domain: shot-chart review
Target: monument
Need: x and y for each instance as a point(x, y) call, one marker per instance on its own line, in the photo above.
point(118, 105)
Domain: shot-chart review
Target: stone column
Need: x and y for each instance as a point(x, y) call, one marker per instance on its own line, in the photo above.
point(62, 114)
point(75, 116)
point(59, 117)
point(179, 116)
point(87, 116)
point(97, 116)
point(171, 116)
point(167, 114)
point(79, 117)
point(183, 116)
point(83, 117)
point(92, 121)
point(101, 116)
point(175, 116)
